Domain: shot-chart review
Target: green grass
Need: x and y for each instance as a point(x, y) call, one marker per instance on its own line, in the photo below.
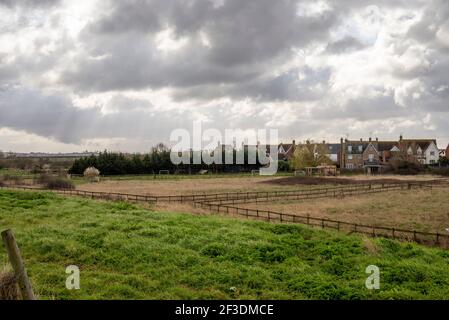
point(16, 173)
point(126, 252)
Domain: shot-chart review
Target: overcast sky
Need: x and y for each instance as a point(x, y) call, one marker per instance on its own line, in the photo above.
point(121, 75)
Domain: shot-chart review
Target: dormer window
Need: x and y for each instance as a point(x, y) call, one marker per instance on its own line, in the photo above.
point(349, 149)
point(360, 148)
point(410, 151)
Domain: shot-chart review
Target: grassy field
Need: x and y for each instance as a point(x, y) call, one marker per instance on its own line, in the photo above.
point(421, 210)
point(127, 252)
point(220, 183)
point(185, 186)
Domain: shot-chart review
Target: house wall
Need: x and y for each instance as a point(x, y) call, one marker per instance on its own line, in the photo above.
point(370, 150)
point(333, 157)
point(432, 154)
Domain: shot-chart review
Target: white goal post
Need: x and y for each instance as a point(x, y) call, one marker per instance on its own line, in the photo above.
point(164, 171)
point(253, 172)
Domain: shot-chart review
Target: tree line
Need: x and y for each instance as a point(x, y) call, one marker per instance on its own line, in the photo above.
point(112, 163)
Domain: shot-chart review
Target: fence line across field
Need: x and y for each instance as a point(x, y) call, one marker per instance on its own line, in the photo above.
point(432, 238)
point(240, 197)
point(203, 200)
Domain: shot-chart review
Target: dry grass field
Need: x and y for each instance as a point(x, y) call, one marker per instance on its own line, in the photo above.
point(184, 186)
point(232, 184)
point(421, 210)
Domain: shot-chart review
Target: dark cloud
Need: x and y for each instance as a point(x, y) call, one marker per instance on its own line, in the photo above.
point(248, 40)
point(54, 116)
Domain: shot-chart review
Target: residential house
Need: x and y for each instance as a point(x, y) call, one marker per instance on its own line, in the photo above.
point(374, 155)
point(286, 150)
point(424, 151)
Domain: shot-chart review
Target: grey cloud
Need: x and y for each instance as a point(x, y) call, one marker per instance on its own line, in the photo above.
point(54, 116)
point(248, 40)
point(345, 45)
point(28, 3)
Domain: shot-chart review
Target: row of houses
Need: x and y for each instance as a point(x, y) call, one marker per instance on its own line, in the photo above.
point(372, 154)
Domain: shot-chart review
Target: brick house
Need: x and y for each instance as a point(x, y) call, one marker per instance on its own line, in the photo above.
point(374, 155)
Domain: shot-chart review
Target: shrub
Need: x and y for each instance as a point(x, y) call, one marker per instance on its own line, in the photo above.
point(51, 182)
point(13, 179)
point(404, 167)
point(440, 171)
point(92, 174)
point(60, 183)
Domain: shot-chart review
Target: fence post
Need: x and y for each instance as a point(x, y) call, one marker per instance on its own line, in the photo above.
point(17, 263)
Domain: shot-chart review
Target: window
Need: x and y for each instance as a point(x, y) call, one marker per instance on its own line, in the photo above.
point(349, 156)
point(432, 153)
point(349, 166)
point(371, 157)
point(349, 149)
point(432, 161)
point(360, 148)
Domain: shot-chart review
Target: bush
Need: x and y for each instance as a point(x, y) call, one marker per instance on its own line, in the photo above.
point(13, 179)
point(404, 167)
point(51, 182)
point(440, 171)
point(60, 183)
point(92, 173)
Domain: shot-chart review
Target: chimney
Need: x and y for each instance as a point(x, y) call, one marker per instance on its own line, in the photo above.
point(400, 137)
point(324, 141)
point(361, 140)
point(377, 139)
point(369, 139)
point(341, 140)
point(294, 142)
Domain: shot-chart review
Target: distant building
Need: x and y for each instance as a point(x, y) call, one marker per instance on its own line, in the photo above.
point(373, 155)
point(41, 155)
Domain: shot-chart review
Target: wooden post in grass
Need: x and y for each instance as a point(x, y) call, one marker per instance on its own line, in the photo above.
point(17, 264)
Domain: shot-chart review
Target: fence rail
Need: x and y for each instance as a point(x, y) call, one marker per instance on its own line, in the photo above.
point(220, 202)
point(240, 197)
point(428, 238)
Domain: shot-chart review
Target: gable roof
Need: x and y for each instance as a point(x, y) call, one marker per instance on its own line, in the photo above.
point(415, 143)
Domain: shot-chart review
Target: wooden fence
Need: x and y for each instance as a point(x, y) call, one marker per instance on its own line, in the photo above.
point(220, 202)
point(427, 238)
point(239, 197)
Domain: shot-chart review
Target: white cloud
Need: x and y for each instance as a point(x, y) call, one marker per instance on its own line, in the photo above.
point(142, 68)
